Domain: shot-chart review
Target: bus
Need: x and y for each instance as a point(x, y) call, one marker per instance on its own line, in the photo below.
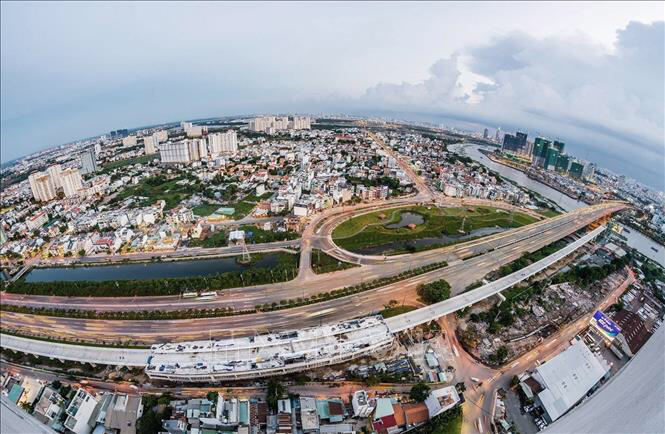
point(190, 294)
point(210, 295)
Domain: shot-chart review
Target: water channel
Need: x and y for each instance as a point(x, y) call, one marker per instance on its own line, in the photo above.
point(151, 270)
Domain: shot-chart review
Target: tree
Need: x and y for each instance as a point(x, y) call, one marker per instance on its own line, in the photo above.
point(434, 292)
point(82, 252)
point(274, 393)
point(419, 392)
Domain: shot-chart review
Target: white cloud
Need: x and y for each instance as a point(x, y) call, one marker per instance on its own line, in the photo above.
point(608, 102)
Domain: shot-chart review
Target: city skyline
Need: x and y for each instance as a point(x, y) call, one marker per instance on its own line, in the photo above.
point(503, 73)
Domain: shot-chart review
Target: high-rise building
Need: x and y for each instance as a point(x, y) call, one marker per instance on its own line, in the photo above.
point(71, 182)
point(54, 172)
point(539, 153)
point(98, 148)
point(551, 159)
point(486, 133)
point(497, 135)
point(185, 151)
point(88, 162)
point(562, 163)
point(161, 136)
point(118, 134)
point(129, 141)
point(589, 170)
point(149, 145)
point(42, 187)
point(576, 169)
point(514, 143)
point(559, 146)
point(223, 143)
point(271, 124)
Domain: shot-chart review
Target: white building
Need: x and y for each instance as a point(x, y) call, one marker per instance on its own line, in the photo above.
point(88, 162)
point(565, 380)
point(81, 412)
point(71, 182)
point(185, 151)
point(42, 186)
point(149, 145)
point(161, 136)
point(129, 141)
point(223, 143)
point(37, 220)
point(55, 172)
point(440, 400)
point(270, 124)
point(362, 405)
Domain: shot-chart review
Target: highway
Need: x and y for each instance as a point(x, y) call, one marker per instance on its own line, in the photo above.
point(514, 241)
point(437, 310)
point(460, 274)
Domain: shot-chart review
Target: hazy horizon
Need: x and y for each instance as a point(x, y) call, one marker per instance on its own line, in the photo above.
point(590, 74)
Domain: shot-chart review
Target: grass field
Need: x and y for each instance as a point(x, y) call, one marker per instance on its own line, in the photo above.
point(396, 310)
point(205, 209)
point(548, 212)
point(218, 239)
point(121, 163)
point(154, 189)
point(370, 229)
point(324, 263)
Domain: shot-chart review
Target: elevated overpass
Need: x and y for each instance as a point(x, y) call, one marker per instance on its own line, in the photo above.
point(142, 357)
point(77, 353)
point(434, 311)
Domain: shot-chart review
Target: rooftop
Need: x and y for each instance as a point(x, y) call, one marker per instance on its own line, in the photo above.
point(567, 378)
point(268, 351)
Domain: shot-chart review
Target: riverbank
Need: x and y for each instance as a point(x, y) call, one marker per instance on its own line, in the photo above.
point(525, 169)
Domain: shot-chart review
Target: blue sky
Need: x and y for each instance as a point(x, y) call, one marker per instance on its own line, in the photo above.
point(590, 73)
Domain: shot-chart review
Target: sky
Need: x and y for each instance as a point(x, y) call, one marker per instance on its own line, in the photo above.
point(590, 74)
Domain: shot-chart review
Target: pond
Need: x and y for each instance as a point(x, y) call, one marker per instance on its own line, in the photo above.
point(404, 245)
point(149, 270)
point(407, 218)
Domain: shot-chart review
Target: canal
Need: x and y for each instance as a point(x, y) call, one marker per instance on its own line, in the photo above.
point(149, 270)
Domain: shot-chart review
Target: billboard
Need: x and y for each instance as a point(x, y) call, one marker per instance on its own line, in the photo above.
point(605, 325)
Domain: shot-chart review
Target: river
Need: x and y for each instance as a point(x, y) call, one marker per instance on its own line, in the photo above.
point(644, 245)
point(149, 270)
point(635, 239)
point(473, 152)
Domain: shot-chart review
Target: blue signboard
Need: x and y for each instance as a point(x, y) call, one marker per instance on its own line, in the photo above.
point(605, 325)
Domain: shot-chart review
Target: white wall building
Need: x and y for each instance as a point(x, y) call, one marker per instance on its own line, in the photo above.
point(223, 143)
point(149, 145)
point(129, 141)
point(37, 220)
point(71, 182)
point(42, 186)
point(185, 151)
point(55, 172)
point(81, 412)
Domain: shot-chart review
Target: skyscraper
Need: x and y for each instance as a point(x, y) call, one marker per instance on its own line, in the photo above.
point(42, 187)
point(551, 159)
point(71, 182)
point(514, 143)
point(559, 146)
point(540, 148)
point(88, 162)
point(54, 172)
point(223, 143)
point(149, 143)
point(486, 134)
